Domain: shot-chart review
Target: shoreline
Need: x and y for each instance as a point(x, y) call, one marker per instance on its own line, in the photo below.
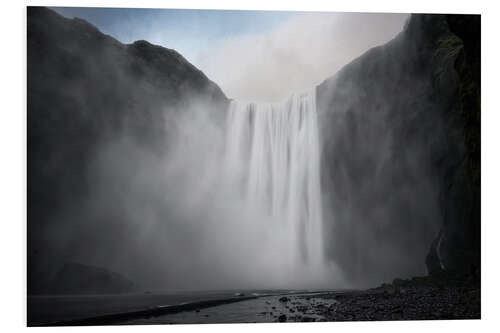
point(160, 310)
point(447, 296)
point(163, 310)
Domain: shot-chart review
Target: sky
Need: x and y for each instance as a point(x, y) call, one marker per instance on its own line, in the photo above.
point(261, 56)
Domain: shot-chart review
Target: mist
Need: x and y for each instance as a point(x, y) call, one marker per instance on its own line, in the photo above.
point(296, 55)
point(386, 140)
point(259, 56)
point(176, 221)
point(138, 167)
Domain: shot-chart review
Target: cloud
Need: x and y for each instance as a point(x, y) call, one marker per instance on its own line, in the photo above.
point(294, 56)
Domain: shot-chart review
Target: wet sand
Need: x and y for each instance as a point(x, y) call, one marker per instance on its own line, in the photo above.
point(76, 310)
point(268, 309)
point(403, 300)
point(420, 298)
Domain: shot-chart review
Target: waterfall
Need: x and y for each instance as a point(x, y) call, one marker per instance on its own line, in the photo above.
point(272, 156)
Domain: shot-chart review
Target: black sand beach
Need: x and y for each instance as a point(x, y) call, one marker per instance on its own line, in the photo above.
point(415, 299)
point(420, 298)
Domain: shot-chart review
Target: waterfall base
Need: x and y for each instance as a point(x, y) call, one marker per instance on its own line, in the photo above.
point(272, 155)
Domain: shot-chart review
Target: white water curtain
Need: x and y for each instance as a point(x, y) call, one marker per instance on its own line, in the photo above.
point(272, 155)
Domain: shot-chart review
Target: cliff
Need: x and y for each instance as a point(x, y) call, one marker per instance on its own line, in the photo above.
point(458, 246)
point(399, 126)
point(395, 151)
point(86, 89)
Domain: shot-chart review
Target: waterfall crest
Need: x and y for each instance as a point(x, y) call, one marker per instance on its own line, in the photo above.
point(272, 155)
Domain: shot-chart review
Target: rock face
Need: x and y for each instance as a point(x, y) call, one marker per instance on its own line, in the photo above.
point(394, 147)
point(399, 125)
point(458, 246)
point(74, 278)
point(85, 89)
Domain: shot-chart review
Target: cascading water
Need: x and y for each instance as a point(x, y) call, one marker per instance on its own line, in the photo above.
point(272, 155)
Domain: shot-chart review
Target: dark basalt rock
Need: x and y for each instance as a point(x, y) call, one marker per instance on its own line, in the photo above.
point(398, 158)
point(75, 278)
point(457, 246)
point(86, 89)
